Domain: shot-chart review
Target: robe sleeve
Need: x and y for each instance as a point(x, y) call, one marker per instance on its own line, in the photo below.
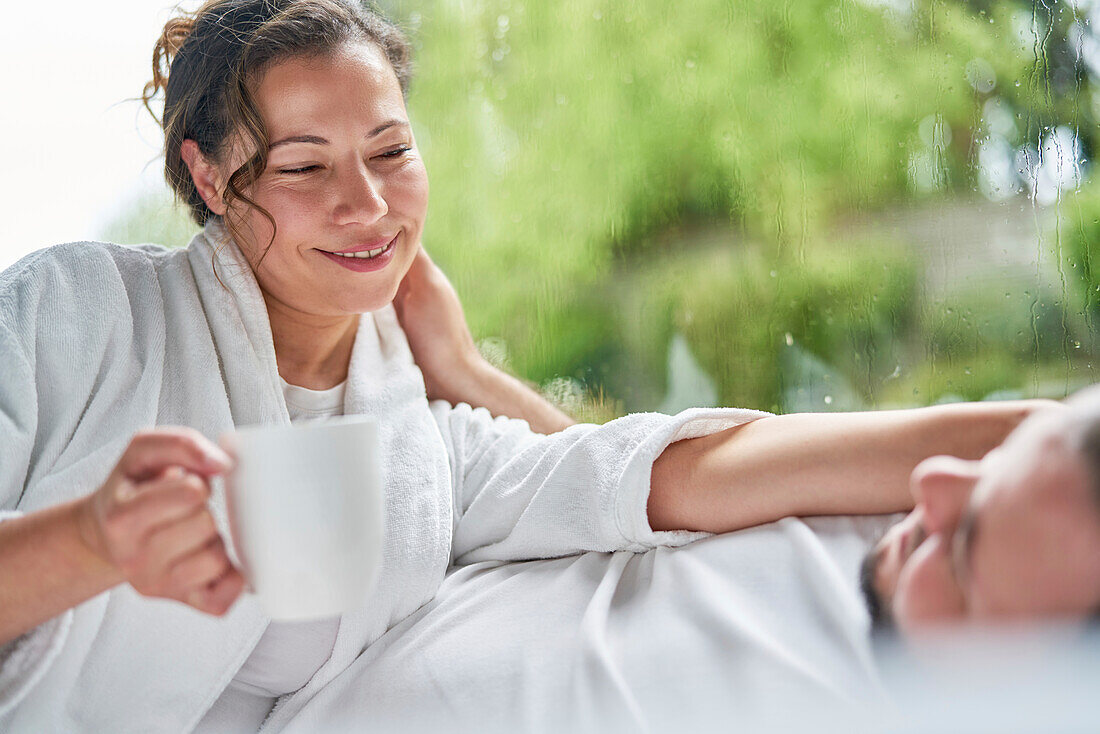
point(520, 495)
point(24, 660)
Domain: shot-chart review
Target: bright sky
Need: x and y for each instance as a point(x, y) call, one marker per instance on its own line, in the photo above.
point(75, 150)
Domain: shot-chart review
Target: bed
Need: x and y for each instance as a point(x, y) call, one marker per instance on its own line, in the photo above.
point(756, 626)
point(759, 630)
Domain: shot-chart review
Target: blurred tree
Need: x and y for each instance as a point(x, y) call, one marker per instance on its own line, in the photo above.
point(565, 137)
point(607, 173)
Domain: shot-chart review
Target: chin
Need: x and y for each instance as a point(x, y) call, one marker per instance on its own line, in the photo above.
point(373, 302)
point(379, 295)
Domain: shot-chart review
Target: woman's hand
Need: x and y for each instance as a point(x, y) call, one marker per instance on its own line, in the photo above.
point(443, 348)
point(151, 522)
point(441, 343)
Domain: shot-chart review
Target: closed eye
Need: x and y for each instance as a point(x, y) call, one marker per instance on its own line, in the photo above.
point(396, 152)
point(962, 549)
point(303, 169)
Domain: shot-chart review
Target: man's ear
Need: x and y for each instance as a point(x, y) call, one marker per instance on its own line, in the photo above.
point(206, 176)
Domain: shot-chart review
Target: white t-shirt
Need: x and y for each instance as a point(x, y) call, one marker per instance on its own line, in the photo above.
point(289, 653)
point(310, 405)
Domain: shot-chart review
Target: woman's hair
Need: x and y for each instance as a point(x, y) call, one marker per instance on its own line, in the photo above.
point(208, 62)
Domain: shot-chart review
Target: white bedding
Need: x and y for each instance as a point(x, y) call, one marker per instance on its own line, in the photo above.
point(757, 626)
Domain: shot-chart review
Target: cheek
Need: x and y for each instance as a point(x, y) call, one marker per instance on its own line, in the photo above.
point(291, 209)
point(926, 592)
point(253, 227)
point(408, 190)
point(293, 206)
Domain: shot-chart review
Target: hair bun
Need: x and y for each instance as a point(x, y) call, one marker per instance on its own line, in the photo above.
point(175, 33)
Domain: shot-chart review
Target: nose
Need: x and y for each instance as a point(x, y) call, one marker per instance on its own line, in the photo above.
point(359, 198)
point(942, 485)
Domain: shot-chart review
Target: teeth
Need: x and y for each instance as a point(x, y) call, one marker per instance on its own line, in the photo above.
point(365, 255)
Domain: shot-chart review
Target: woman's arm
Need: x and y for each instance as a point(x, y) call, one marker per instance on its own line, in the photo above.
point(148, 525)
point(498, 392)
point(47, 568)
point(816, 463)
point(621, 485)
point(454, 370)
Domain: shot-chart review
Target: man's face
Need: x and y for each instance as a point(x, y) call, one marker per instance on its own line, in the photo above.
point(1013, 536)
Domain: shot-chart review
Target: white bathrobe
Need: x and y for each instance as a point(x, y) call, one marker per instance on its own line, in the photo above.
point(98, 341)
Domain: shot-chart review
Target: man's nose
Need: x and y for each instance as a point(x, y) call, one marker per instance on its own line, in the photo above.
point(942, 486)
point(360, 198)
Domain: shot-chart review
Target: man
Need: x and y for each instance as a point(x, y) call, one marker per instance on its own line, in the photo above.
point(1015, 535)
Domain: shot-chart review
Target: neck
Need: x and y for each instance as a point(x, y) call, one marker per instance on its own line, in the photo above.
point(311, 351)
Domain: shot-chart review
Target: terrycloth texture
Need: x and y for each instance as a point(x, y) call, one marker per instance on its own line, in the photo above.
point(761, 630)
point(514, 490)
point(548, 496)
point(101, 341)
point(21, 659)
point(98, 341)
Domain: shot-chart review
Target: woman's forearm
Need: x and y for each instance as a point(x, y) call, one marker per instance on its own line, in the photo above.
point(816, 463)
point(453, 369)
point(46, 567)
point(498, 392)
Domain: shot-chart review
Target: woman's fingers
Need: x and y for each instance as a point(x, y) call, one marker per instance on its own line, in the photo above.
point(151, 521)
point(217, 596)
point(150, 452)
point(187, 561)
point(140, 508)
point(167, 544)
point(200, 568)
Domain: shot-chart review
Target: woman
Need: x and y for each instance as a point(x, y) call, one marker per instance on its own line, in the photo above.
point(286, 134)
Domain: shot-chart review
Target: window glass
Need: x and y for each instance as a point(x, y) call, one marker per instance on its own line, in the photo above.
point(812, 205)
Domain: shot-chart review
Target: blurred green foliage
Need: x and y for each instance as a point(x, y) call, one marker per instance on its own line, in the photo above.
point(742, 314)
point(605, 174)
point(582, 133)
point(156, 219)
point(1080, 234)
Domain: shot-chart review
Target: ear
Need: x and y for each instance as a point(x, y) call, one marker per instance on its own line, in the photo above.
point(942, 485)
point(205, 174)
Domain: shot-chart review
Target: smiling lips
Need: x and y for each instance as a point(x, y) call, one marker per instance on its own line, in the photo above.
point(364, 258)
point(364, 251)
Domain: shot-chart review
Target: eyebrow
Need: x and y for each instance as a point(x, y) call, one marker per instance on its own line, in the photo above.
point(318, 140)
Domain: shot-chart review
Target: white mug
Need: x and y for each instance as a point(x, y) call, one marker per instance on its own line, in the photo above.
point(306, 510)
